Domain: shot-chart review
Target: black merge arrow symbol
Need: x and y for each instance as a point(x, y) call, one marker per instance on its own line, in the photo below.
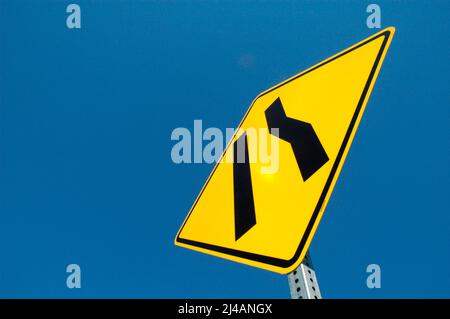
point(309, 154)
point(307, 148)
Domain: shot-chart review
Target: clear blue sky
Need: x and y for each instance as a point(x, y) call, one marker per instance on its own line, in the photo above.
point(85, 120)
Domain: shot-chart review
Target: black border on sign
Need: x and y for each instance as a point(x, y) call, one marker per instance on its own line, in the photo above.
point(285, 263)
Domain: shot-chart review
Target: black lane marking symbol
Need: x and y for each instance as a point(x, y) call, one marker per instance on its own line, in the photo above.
point(308, 151)
point(307, 148)
point(244, 206)
point(281, 262)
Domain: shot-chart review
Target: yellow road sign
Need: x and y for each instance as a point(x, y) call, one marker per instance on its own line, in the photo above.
point(267, 219)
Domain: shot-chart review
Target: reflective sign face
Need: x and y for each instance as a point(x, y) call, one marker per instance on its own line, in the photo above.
point(263, 210)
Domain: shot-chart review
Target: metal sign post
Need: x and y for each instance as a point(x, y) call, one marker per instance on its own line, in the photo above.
point(303, 281)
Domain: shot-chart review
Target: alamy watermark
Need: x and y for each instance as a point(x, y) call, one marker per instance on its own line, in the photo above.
point(373, 21)
point(374, 278)
point(260, 146)
point(74, 278)
point(73, 20)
